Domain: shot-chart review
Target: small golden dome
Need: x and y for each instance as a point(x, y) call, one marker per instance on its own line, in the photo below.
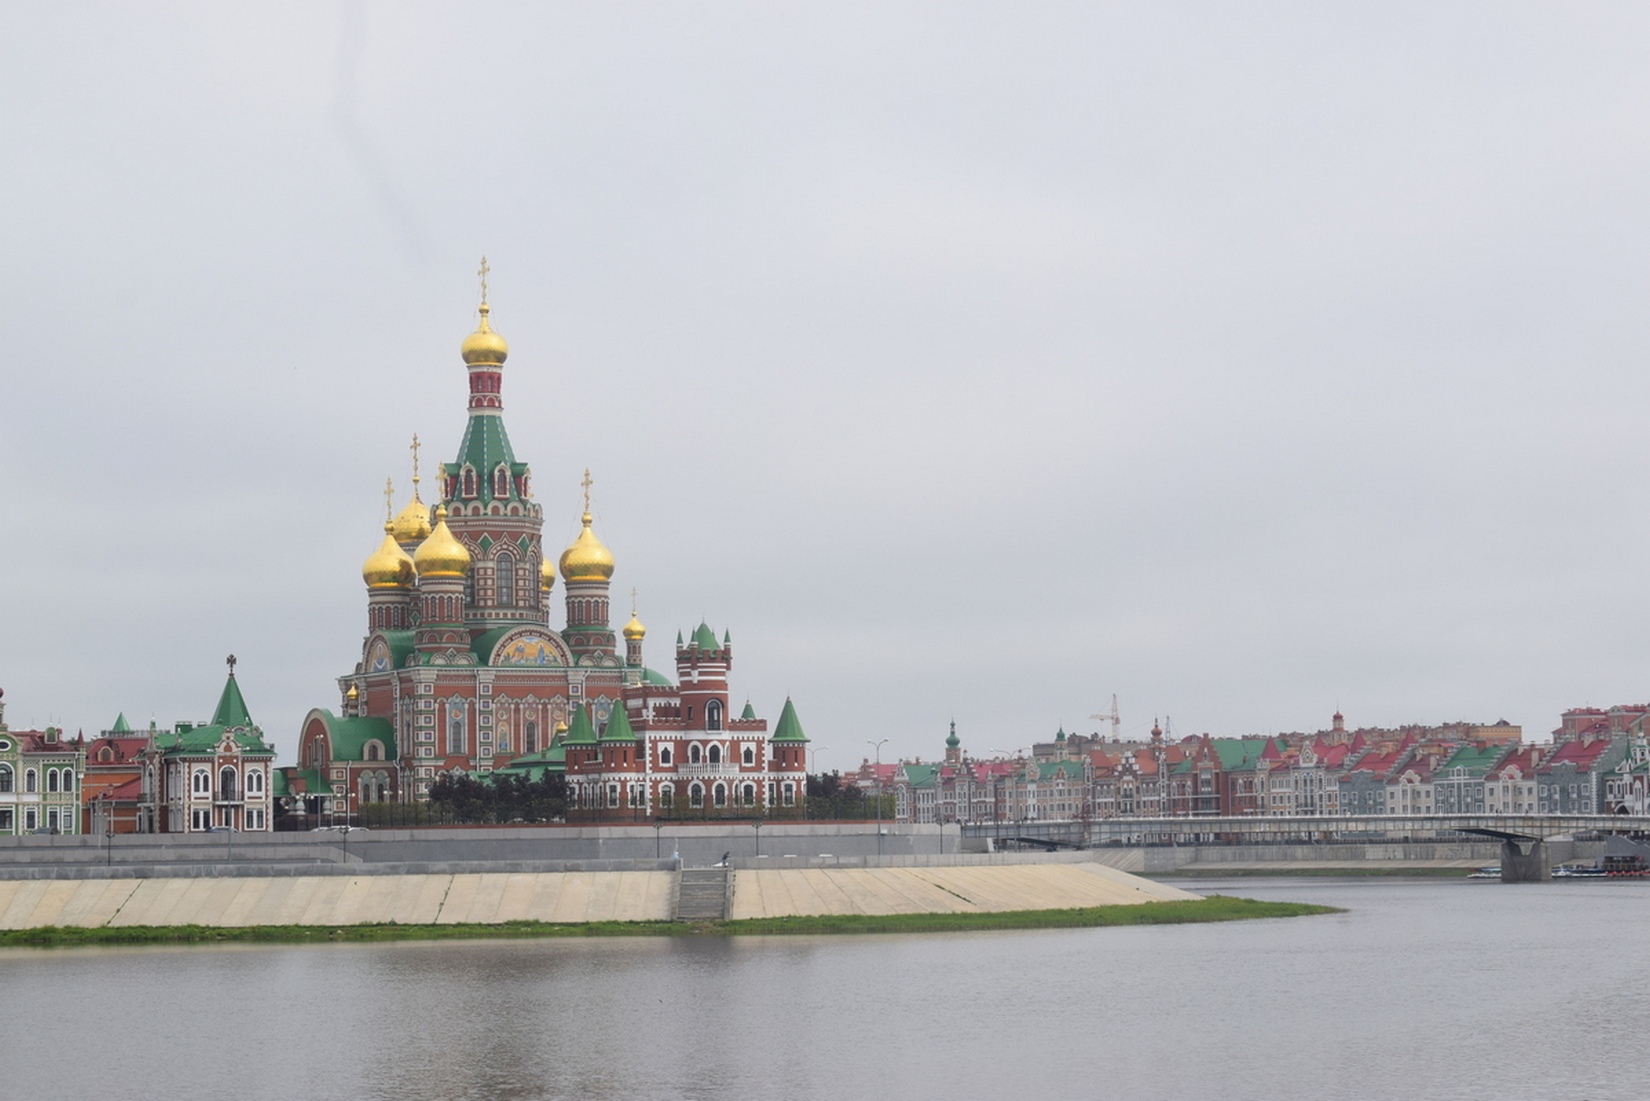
point(414, 522)
point(388, 566)
point(484, 345)
point(634, 628)
point(587, 559)
point(547, 575)
point(353, 694)
point(441, 555)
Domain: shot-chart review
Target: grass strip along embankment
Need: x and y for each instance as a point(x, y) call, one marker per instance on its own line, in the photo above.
point(1214, 908)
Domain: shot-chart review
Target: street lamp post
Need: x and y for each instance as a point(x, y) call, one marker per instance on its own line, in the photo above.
point(813, 761)
point(878, 745)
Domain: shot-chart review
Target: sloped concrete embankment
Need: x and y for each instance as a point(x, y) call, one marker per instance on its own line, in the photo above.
point(494, 898)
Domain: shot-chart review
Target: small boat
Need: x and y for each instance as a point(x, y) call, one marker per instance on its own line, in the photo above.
point(1492, 871)
point(1577, 871)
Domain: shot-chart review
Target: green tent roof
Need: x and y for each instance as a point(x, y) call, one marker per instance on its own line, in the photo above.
point(121, 726)
point(579, 731)
point(789, 727)
point(749, 712)
point(705, 638)
point(231, 707)
point(618, 726)
point(485, 445)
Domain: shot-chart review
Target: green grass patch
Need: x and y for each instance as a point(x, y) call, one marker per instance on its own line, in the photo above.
point(1214, 908)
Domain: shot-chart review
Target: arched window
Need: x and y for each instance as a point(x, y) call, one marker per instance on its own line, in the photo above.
point(226, 784)
point(612, 795)
point(31, 781)
point(693, 754)
point(750, 755)
point(696, 795)
point(750, 795)
point(201, 782)
point(713, 715)
point(68, 780)
point(715, 754)
point(469, 482)
point(719, 795)
point(501, 482)
point(530, 736)
point(51, 779)
point(455, 727)
point(667, 796)
point(664, 759)
point(790, 793)
point(5, 778)
point(255, 781)
point(504, 579)
point(374, 752)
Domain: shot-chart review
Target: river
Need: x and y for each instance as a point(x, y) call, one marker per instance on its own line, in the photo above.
point(1427, 988)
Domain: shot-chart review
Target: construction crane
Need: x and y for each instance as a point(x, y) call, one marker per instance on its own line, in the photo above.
point(1116, 720)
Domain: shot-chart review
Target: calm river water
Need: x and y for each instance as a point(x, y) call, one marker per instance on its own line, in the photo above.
point(1423, 989)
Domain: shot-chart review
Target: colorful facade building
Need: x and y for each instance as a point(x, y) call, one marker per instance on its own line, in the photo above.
point(112, 788)
point(461, 670)
point(40, 775)
point(214, 775)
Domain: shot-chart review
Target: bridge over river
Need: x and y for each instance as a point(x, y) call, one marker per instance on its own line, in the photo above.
point(1523, 854)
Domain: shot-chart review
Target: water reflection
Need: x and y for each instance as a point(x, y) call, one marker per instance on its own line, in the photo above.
point(1425, 988)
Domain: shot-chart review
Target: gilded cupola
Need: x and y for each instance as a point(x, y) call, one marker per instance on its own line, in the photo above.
point(634, 629)
point(547, 575)
point(587, 559)
point(484, 346)
point(441, 555)
point(389, 566)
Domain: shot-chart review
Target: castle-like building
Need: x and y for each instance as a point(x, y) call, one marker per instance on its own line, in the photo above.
point(462, 671)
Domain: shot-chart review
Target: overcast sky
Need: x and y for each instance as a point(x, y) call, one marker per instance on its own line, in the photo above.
point(967, 361)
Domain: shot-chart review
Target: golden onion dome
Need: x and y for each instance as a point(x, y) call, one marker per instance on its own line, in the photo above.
point(547, 575)
point(587, 559)
point(413, 523)
point(484, 345)
point(634, 629)
point(389, 566)
point(441, 555)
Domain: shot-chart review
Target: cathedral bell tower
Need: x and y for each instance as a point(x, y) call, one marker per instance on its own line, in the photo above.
point(587, 567)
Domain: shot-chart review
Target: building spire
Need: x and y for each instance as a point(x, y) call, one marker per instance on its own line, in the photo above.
point(389, 501)
point(482, 271)
point(586, 484)
point(414, 449)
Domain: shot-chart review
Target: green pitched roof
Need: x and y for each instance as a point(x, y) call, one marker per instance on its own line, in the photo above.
point(579, 731)
point(789, 727)
point(349, 737)
point(121, 726)
point(920, 776)
point(618, 726)
point(231, 707)
point(749, 712)
point(1050, 770)
point(653, 676)
point(705, 638)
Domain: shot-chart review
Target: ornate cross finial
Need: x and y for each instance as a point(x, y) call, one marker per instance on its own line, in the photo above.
point(632, 603)
point(482, 271)
point(231, 661)
point(414, 448)
point(389, 500)
point(586, 484)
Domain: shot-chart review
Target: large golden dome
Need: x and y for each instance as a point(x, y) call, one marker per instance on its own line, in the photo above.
point(389, 566)
point(413, 523)
point(587, 559)
point(441, 555)
point(484, 345)
point(634, 628)
point(547, 575)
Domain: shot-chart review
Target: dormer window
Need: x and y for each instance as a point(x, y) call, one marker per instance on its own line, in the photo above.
point(501, 482)
point(469, 478)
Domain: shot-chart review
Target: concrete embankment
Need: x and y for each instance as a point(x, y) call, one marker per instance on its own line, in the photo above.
point(497, 897)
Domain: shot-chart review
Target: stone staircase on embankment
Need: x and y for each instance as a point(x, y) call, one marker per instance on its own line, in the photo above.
point(702, 894)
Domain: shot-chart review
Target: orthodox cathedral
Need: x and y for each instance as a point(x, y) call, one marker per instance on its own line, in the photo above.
point(462, 671)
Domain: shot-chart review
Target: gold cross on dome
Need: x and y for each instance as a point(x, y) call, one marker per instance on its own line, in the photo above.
point(632, 603)
point(414, 448)
point(586, 484)
point(389, 499)
point(482, 271)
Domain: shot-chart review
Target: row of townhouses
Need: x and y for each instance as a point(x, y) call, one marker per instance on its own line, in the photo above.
point(1598, 762)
